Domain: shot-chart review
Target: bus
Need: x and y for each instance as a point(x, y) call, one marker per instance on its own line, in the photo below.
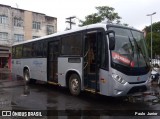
point(106, 59)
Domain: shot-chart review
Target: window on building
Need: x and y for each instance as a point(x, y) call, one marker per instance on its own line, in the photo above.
point(3, 19)
point(50, 29)
point(36, 25)
point(35, 37)
point(3, 35)
point(18, 37)
point(18, 22)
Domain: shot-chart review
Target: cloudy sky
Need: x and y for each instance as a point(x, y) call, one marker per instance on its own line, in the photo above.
point(133, 12)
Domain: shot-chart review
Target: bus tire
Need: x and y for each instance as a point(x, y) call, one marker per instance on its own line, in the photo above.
point(158, 80)
point(26, 76)
point(74, 84)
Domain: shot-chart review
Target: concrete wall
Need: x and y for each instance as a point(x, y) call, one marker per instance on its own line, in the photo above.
point(26, 29)
point(28, 25)
point(6, 11)
point(39, 18)
point(19, 14)
point(28, 17)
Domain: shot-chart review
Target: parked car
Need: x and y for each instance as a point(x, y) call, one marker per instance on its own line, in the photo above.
point(155, 75)
point(155, 63)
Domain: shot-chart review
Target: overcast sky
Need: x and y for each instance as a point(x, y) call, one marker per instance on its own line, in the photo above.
point(133, 12)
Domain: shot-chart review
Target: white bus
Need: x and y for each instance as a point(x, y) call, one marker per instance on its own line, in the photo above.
point(108, 59)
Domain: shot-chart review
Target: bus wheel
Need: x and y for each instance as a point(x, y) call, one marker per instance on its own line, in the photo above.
point(74, 84)
point(26, 76)
point(158, 81)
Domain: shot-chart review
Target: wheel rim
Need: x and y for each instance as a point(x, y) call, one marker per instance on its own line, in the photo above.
point(26, 76)
point(74, 85)
point(159, 81)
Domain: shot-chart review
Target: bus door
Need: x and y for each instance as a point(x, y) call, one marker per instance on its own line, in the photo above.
point(53, 53)
point(92, 60)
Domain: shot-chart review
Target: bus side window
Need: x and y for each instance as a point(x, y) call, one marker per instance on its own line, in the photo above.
point(27, 50)
point(72, 45)
point(44, 49)
point(33, 49)
point(18, 52)
point(38, 49)
point(13, 52)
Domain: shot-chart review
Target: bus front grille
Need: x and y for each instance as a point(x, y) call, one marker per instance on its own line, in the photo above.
point(136, 82)
point(137, 89)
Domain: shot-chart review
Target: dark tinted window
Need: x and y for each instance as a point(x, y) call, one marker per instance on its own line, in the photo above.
point(45, 49)
point(18, 51)
point(27, 50)
point(13, 52)
point(53, 50)
point(72, 45)
point(38, 49)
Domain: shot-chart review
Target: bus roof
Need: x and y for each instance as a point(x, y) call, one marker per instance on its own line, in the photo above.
point(98, 25)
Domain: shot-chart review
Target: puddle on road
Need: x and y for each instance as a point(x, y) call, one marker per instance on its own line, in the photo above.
point(5, 76)
point(54, 98)
point(151, 97)
point(5, 101)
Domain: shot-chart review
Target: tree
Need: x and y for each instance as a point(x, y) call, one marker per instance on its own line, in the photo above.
point(91, 19)
point(108, 12)
point(103, 12)
point(155, 27)
point(155, 38)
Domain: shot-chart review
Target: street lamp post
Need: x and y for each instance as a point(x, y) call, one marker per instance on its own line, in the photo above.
point(151, 32)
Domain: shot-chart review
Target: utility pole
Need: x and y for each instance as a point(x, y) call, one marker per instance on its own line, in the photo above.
point(151, 32)
point(70, 21)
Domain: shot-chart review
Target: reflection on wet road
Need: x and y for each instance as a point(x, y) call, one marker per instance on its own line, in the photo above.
point(17, 96)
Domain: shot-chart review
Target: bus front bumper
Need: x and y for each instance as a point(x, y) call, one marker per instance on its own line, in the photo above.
point(129, 89)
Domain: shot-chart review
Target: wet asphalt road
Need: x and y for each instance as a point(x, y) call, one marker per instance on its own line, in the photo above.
point(14, 95)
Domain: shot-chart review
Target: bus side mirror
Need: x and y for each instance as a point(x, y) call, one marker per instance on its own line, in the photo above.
point(111, 36)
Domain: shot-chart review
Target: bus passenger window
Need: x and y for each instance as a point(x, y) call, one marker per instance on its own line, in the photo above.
point(13, 52)
point(72, 45)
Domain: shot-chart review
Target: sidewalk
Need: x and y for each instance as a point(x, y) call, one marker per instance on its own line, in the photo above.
point(5, 74)
point(7, 79)
point(5, 70)
point(13, 83)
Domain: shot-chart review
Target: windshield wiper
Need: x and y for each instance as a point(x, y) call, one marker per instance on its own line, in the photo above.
point(132, 55)
point(131, 46)
point(140, 51)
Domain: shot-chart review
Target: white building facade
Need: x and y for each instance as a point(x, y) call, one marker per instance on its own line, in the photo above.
point(17, 25)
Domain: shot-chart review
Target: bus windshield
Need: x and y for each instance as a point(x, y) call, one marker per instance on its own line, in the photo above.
point(130, 48)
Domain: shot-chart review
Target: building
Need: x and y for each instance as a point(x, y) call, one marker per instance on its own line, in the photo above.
point(5, 56)
point(18, 25)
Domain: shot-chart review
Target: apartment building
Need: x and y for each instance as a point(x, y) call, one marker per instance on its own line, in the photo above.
point(17, 25)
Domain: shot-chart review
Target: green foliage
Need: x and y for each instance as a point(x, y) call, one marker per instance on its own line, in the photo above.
point(125, 24)
point(107, 12)
point(91, 19)
point(155, 27)
point(155, 38)
point(155, 43)
point(103, 12)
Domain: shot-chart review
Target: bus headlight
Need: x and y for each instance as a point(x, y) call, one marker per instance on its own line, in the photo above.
point(118, 78)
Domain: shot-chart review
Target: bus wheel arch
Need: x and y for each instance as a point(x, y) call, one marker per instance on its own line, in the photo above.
point(73, 82)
